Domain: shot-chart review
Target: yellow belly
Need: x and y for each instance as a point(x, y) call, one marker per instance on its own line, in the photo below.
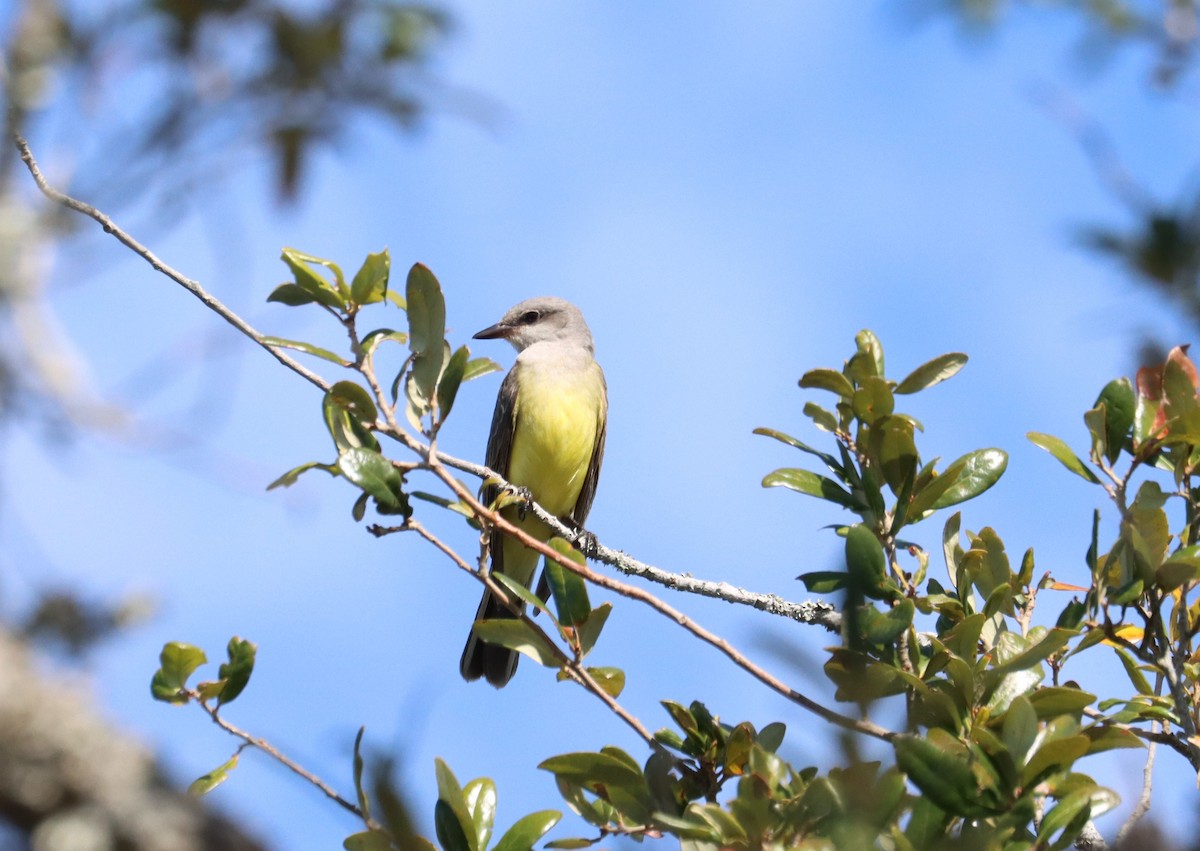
point(556, 430)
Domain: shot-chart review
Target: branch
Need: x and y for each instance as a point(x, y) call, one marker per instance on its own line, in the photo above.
point(270, 750)
point(574, 667)
point(815, 612)
point(642, 596)
point(146, 254)
point(1143, 804)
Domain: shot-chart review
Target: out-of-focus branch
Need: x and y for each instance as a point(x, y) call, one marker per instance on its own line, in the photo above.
point(111, 227)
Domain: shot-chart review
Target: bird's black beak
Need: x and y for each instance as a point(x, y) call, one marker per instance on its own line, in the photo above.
point(498, 331)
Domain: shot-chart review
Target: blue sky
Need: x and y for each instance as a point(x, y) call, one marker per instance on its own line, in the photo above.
point(729, 192)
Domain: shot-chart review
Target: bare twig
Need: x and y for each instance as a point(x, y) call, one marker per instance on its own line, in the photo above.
point(158, 265)
point(1143, 804)
point(271, 751)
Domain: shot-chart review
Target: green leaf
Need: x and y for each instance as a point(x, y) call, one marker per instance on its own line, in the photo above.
point(477, 367)
point(612, 680)
point(825, 581)
point(450, 831)
point(589, 631)
point(1069, 816)
point(348, 410)
point(822, 419)
point(1134, 672)
point(1180, 569)
point(371, 280)
point(367, 840)
point(205, 783)
point(866, 562)
point(931, 372)
point(291, 295)
point(883, 628)
point(236, 672)
point(827, 379)
point(451, 812)
point(892, 444)
point(376, 475)
point(771, 736)
point(426, 329)
point(178, 661)
point(521, 592)
point(373, 340)
point(940, 767)
point(873, 399)
point(966, 478)
point(291, 476)
point(480, 797)
point(307, 348)
point(330, 295)
point(571, 844)
point(812, 484)
point(359, 791)
point(569, 589)
point(829, 460)
point(520, 636)
point(589, 769)
point(451, 378)
point(1052, 701)
point(1059, 449)
point(528, 830)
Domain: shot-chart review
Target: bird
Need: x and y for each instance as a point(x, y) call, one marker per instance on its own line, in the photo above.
point(547, 436)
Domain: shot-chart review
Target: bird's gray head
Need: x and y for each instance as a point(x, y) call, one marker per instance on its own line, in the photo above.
point(539, 320)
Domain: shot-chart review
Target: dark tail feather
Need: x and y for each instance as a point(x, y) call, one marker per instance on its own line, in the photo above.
point(479, 659)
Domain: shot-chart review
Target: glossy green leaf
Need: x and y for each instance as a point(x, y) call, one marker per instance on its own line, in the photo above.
point(205, 783)
point(966, 478)
point(571, 844)
point(236, 672)
point(376, 475)
point(528, 830)
point(931, 372)
point(177, 663)
point(1134, 672)
point(1052, 701)
point(371, 280)
point(568, 588)
point(521, 592)
point(480, 798)
point(940, 768)
point(827, 379)
point(452, 377)
point(1062, 452)
point(307, 348)
point(812, 484)
point(592, 767)
point(1068, 816)
point(455, 829)
point(771, 736)
point(1120, 404)
point(426, 328)
point(520, 636)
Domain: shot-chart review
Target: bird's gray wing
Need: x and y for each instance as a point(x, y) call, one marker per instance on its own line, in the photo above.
point(499, 451)
point(587, 493)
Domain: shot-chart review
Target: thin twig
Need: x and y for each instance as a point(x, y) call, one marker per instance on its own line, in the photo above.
point(158, 265)
point(642, 596)
point(1143, 803)
point(269, 749)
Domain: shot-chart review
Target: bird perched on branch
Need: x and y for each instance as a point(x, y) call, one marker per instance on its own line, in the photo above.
point(547, 437)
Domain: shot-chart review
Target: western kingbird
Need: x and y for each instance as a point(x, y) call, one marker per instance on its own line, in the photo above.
point(547, 436)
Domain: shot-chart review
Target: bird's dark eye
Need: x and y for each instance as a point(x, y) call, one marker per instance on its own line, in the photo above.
point(529, 317)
